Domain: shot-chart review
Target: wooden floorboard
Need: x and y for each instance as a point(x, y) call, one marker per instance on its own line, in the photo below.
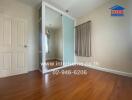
point(96, 85)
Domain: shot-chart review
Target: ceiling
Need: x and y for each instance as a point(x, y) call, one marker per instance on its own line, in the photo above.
point(33, 3)
point(53, 19)
point(77, 8)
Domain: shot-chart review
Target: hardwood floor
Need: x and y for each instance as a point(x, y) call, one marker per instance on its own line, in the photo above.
point(96, 85)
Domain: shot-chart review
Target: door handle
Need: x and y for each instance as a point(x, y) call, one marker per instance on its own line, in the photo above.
point(25, 46)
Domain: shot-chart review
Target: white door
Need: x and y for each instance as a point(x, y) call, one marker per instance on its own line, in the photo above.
point(13, 48)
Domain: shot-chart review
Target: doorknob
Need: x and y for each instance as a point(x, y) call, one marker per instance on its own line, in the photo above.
point(25, 46)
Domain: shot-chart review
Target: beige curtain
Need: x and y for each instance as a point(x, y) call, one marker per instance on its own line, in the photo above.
point(83, 40)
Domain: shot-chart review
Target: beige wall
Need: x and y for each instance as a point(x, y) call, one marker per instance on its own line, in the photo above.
point(19, 10)
point(111, 37)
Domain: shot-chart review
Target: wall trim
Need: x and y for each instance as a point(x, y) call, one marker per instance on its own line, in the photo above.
point(33, 69)
point(5, 75)
point(122, 73)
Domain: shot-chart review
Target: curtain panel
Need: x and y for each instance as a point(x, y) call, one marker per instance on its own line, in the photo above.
point(83, 40)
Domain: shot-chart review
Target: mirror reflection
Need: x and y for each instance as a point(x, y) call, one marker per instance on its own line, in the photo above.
point(53, 39)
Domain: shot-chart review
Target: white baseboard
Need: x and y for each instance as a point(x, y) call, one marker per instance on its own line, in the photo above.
point(109, 70)
point(33, 69)
point(96, 68)
point(88, 66)
point(8, 73)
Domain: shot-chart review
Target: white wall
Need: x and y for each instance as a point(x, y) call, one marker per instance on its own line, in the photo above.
point(19, 10)
point(111, 37)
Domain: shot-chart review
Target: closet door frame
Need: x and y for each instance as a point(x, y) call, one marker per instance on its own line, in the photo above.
point(44, 5)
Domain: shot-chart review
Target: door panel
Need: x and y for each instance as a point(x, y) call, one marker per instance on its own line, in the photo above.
point(19, 33)
point(68, 36)
point(5, 64)
point(1, 30)
point(7, 32)
point(20, 36)
point(13, 54)
point(18, 63)
point(5, 60)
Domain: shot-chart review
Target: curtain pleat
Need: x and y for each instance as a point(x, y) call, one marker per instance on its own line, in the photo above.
point(83, 40)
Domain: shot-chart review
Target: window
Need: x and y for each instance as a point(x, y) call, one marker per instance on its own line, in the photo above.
point(83, 40)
